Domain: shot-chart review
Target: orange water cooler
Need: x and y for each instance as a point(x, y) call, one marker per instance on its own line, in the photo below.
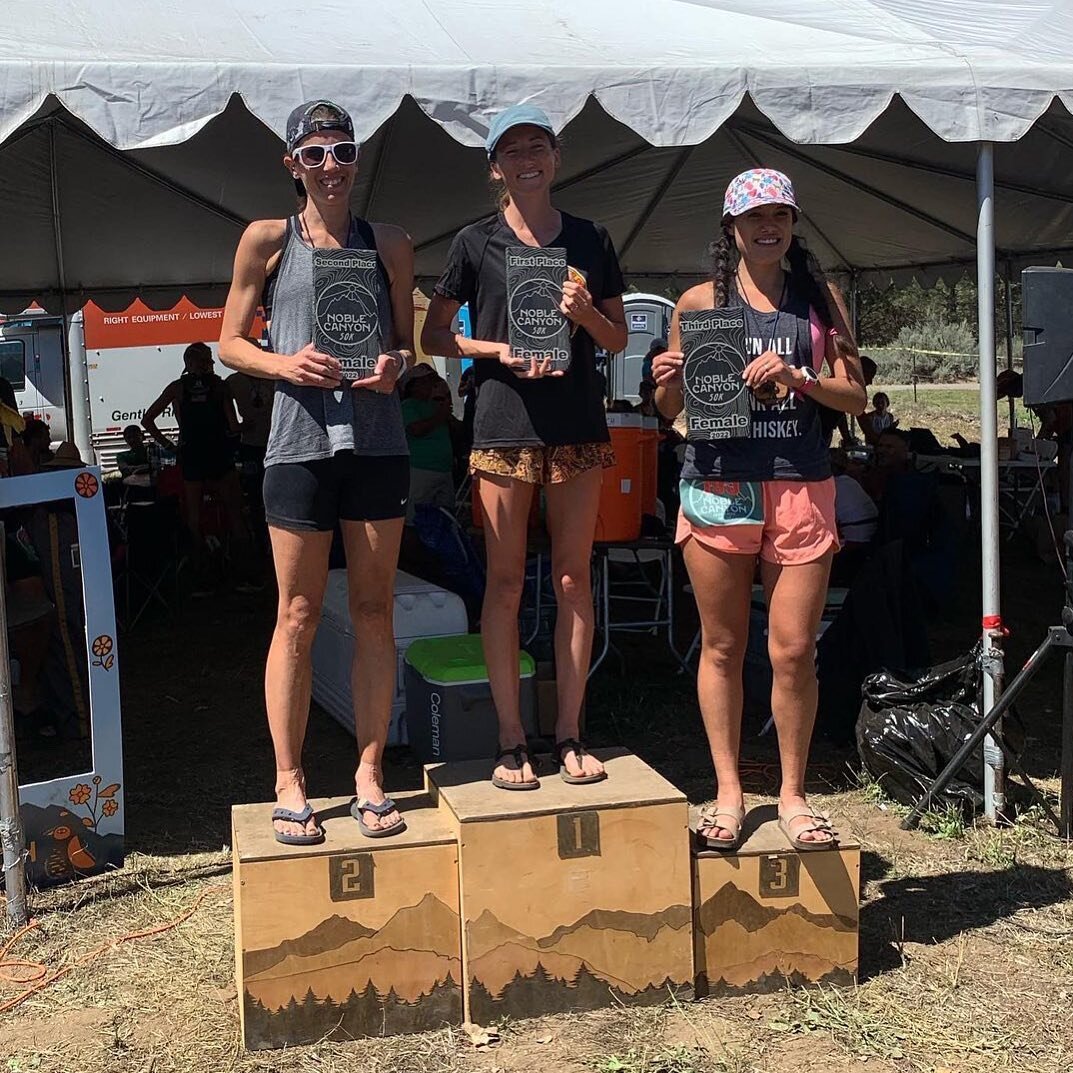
point(619, 517)
point(649, 464)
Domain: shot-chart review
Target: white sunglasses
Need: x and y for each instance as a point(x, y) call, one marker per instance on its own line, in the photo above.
point(313, 156)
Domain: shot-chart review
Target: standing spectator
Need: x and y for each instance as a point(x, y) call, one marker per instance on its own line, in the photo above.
point(426, 412)
point(205, 412)
point(38, 440)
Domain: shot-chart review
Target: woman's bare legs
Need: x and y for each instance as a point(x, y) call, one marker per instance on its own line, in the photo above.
point(372, 555)
point(301, 563)
point(571, 517)
point(722, 586)
point(795, 596)
point(505, 503)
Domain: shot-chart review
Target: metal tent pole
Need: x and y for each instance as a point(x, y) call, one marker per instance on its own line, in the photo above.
point(1008, 293)
point(994, 796)
point(11, 837)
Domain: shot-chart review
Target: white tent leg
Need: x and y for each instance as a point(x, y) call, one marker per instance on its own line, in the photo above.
point(1007, 291)
point(994, 796)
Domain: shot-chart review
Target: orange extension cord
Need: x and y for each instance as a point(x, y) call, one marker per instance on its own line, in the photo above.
point(20, 971)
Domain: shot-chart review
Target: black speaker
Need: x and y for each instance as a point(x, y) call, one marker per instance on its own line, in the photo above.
point(1047, 316)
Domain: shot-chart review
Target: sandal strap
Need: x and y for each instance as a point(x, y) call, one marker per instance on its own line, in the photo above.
point(290, 816)
point(517, 753)
point(572, 744)
point(821, 825)
point(707, 817)
point(385, 806)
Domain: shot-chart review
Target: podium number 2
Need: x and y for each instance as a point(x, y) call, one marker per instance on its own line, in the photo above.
point(350, 877)
point(579, 834)
point(780, 876)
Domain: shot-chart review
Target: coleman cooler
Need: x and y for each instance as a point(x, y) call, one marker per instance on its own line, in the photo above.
point(449, 709)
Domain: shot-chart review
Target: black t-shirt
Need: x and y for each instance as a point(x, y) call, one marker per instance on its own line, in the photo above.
point(512, 411)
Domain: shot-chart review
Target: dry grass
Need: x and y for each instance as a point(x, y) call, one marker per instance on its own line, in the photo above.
point(966, 933)
point(966, 964)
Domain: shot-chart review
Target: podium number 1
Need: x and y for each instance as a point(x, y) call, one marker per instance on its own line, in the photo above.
point(579, 834)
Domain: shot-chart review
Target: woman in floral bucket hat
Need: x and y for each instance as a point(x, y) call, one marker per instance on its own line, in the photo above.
point(768, 495)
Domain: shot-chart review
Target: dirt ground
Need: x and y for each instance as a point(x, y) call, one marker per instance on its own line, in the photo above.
point(966, 946)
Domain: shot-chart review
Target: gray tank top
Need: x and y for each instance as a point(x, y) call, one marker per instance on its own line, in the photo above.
point(310, 422)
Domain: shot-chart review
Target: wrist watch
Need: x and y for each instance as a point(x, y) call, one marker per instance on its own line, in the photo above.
point(812, 378)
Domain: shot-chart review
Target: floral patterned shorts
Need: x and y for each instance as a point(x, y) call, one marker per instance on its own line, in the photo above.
point(542, 465)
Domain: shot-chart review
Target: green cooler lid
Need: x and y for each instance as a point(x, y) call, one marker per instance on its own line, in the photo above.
point(456, 659)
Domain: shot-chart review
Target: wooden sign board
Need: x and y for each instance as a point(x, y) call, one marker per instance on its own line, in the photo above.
point(73, 825)
point(354, 937)
point(573, 897)
point(768, 917)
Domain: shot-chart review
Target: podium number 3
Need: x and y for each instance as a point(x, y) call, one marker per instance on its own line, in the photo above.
point(780, 876)
point(350, 877)
point(579, 834)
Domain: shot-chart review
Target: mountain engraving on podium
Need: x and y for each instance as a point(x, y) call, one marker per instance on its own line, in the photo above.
point(344, 980)
point(762, 948)
point(518, 975)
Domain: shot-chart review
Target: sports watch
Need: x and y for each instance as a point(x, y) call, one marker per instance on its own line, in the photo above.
point(812, 378)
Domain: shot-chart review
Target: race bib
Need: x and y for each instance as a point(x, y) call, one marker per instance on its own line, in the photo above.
point(713, 502)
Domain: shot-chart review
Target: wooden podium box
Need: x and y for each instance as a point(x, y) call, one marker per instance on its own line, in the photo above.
point(768, 916)
point(573, 897)
point(354, 937)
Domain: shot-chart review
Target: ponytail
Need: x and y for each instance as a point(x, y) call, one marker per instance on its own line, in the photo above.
point(807, 277)
point(724, 256)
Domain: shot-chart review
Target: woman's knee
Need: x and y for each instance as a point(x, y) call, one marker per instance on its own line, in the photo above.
point(794, 654)
point(297, 619)
point(573, 586)
point(504, 587)
point(723, 653)
point(372, 614)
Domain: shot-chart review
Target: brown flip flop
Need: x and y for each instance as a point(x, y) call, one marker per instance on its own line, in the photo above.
point(517, 752)
point(573, 745)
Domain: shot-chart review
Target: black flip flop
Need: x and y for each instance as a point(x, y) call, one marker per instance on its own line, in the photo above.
point(517, 752)
point(303, 817)
point(575, 746)
point(387, 805)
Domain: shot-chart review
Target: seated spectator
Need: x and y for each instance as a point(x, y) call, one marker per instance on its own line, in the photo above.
point(834, 420)
point(657, 346)
point(647, 406)
point(38, 440)
point(136, 458)
point(426, 413)
point(620, 406)
point(15, 459)
point(856, 513)
point(880, 416)
point(892, 458)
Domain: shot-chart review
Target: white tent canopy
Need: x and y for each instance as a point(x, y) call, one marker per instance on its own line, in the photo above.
point(136, 144)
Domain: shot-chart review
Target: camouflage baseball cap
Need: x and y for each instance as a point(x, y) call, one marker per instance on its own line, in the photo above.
point(314, 116)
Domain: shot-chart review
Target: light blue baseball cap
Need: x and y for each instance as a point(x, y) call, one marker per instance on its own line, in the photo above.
point(517, 115)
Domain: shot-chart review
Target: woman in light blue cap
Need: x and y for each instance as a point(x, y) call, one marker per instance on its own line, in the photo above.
point(534, 425)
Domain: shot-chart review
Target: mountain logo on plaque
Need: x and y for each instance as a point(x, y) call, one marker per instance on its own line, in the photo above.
point(717, 400)
point(536, 326)
point(346, 317)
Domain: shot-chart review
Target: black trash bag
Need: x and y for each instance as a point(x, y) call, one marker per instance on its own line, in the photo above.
point(908, 730)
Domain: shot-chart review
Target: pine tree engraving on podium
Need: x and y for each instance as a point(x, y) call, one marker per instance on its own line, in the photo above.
point(602, 914)
point(768, 917)
point(350, 938)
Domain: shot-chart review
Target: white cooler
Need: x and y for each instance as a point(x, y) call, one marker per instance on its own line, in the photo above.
point(421, 610)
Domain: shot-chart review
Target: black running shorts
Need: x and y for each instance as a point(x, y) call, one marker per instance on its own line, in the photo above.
point(313, 496)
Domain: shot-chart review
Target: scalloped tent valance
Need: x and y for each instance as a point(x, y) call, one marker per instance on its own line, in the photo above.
point(137, 144)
